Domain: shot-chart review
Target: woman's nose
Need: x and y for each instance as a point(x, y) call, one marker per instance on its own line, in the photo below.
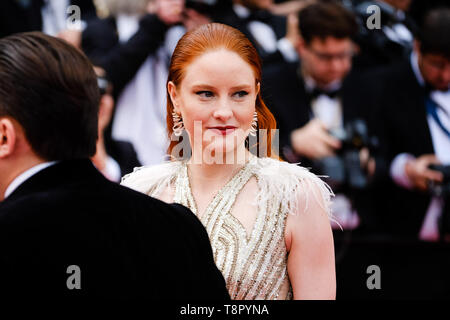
point(223, 110)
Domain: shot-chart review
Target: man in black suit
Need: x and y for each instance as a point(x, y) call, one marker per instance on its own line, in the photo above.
point(121, 61)
point(40, 15)
point(268, 32)
point(412, 100)
point(391, 40)
point(114, 158)
point(314, 101)
point(65, 230)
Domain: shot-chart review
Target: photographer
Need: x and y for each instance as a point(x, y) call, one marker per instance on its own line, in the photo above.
point(413, 103)
point(317, 101)
point(134, 45)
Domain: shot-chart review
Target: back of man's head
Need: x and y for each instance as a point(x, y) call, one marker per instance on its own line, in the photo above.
point(323, 19)
point(50, 89)
point(434, 35)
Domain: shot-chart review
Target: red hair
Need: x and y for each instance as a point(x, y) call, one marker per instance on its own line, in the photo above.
point(209, 37)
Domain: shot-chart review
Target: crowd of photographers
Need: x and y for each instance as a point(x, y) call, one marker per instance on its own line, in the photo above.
point(360, 91)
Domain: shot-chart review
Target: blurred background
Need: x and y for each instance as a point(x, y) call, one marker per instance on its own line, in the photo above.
point(360, 91)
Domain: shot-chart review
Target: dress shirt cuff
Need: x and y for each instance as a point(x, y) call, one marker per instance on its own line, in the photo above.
point(397, 170)
point(287, 50)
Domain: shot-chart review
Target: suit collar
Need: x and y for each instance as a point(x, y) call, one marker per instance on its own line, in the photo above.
point(24, 176)
point(59, 174)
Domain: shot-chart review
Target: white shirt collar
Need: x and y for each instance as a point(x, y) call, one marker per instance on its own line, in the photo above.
point(241, 11)
point(310, 84)
point(24, 176)
point(415, 66)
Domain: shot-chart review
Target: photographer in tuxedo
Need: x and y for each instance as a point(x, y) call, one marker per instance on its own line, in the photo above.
point(65, 230)
point(392, 41)
point(274, 36)
point(412, 101)
point(318, 100)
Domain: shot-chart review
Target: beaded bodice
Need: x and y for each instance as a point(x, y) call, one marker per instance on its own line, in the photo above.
point(254, 265)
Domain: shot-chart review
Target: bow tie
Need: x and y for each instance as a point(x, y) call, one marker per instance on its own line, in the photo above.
point(317, 92)
point(259, 15)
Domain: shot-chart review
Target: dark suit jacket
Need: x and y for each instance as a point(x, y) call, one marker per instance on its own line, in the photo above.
point(127, 245)
point(285, 95)
point(100, 42)
point(399, 101)
point(124, 154)
point(277, 23)
point(376, 49)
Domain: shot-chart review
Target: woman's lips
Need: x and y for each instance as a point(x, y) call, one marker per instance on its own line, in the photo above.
point(223, 130)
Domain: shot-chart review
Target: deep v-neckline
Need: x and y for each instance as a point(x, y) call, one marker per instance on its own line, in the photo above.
point(217, 194)
point(226, 197)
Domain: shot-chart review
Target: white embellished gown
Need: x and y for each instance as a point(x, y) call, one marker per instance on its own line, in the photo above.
point(254, 266)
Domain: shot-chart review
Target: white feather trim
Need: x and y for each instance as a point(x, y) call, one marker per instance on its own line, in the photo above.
point(151, 179)
point(292, 185)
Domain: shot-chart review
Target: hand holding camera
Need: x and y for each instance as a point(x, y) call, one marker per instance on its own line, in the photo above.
point(313, 141)
point(420, 173)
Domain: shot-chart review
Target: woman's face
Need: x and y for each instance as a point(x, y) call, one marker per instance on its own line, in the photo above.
point(216, 96)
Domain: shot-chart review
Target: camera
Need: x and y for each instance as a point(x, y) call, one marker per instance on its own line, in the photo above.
point(442, 189)
point(344, 170)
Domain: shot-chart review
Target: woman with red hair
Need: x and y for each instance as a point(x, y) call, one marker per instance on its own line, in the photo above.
point(267, 220)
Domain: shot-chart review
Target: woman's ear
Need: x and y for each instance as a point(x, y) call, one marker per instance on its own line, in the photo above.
point(258, 88)
point(172, 89)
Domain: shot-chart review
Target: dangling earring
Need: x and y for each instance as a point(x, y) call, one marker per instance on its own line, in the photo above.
point(254, 127)
point(178, 125)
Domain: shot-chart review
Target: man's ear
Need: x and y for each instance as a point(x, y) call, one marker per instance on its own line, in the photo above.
point(172, 89)
point(8, 136)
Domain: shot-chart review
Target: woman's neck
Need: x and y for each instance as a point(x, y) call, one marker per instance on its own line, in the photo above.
point(206, 175)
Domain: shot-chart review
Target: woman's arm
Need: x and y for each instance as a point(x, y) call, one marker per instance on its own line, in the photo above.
point(311, 264)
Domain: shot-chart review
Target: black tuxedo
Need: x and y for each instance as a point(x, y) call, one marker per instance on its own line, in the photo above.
point(121, 62)
point(127, 245)
point(287, 98)
point(277, 23)
point(124, 154)
point(401, 115)
point(377, 49)
point(16, 17)
point(100, 42)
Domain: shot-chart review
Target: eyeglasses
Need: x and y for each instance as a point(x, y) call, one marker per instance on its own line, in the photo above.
point(325, 57)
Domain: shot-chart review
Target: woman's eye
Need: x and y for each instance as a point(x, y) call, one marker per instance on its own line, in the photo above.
point(205, 94)
point(241, 94)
